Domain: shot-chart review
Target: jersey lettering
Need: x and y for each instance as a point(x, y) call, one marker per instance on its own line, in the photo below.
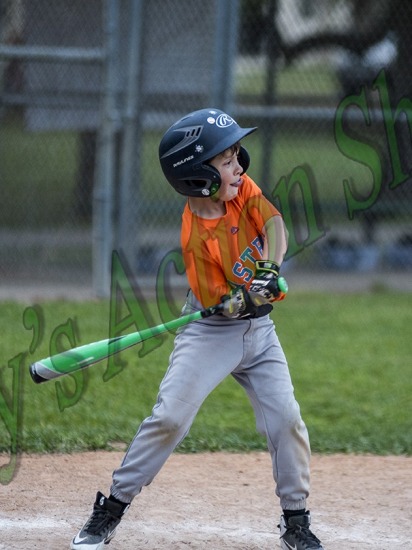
point(242, 272)
point(257, 243)
point(247, 255)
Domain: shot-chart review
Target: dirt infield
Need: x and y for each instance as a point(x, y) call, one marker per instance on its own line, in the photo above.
point(219, 500)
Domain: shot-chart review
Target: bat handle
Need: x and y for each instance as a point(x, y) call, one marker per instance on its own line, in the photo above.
point(212, 310)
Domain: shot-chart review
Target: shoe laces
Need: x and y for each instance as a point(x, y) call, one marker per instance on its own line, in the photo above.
point(304, 535)
point(99, 520)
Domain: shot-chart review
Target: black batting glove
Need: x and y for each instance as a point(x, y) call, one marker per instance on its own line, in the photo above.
point(239, 304)
point(265, 283)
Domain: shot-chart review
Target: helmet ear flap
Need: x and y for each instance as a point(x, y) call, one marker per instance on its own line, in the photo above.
point(243, 159)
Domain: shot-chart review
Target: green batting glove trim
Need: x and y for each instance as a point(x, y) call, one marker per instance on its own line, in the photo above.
point(266, 266)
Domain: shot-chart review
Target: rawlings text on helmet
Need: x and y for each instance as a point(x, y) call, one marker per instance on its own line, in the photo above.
point(183, 161)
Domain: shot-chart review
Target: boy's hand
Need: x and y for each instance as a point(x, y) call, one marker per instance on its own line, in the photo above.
point(239, 304)
point(265, 283)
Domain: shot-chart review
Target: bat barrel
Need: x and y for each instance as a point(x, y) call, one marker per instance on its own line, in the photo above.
point(84, 356)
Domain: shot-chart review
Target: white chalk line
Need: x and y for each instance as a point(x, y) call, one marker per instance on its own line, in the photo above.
point(362, 532)
point(187, 527)
point(38, 522)
point(155, 527)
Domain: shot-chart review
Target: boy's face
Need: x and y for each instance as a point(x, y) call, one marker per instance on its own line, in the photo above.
point(229, 168)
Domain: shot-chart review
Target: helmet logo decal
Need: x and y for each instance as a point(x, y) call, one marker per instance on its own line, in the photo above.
point(224, 120)
point(199, 148)
point(205, 192)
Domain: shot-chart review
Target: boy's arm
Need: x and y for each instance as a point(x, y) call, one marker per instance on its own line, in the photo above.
point(265, 283)
point(276, 240)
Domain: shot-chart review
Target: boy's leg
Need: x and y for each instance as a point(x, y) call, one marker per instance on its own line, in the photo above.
point(197, 365)
point(267, 382)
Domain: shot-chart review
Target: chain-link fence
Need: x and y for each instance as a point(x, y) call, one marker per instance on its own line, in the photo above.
point(88, 88)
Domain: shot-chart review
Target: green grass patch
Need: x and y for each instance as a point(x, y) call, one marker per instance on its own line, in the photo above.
point(349, 356)
point(36, 168)
point(291, 80)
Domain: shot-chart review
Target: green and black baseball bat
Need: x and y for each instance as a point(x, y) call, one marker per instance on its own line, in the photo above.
point(84, 356)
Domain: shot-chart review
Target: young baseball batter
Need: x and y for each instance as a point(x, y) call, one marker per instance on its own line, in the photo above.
point(233, 243)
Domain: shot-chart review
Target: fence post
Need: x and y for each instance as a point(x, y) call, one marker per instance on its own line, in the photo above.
point(130, 170)
point(102, 236)
point(227, 19)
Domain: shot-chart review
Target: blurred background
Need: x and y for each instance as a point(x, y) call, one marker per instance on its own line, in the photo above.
point(87, 88)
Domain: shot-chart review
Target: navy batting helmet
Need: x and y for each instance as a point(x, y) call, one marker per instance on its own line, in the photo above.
point(191, 142)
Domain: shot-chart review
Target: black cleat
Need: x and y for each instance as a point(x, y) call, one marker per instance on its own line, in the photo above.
point(100, 528)
point(296, 535)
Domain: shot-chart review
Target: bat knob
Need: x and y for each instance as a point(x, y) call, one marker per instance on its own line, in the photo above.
point(283, 285)
point(35, 376)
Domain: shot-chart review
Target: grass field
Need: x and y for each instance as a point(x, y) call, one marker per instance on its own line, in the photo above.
point(350, 358)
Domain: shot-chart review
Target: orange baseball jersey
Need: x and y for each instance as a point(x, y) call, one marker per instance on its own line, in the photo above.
point(220, 253)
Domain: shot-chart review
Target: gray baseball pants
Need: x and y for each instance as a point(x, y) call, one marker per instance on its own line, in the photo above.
point(205, 352)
